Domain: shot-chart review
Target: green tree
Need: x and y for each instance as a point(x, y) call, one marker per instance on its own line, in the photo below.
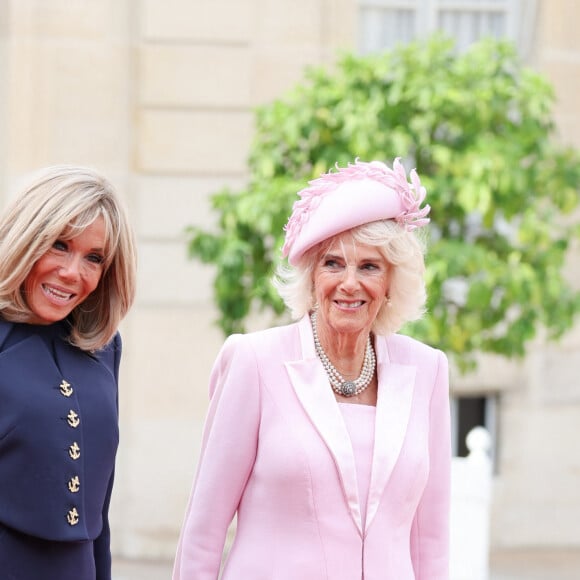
point(478, 127)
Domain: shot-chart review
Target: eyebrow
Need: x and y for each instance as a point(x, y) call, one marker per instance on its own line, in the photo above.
point(377, 257)
point(98, 249)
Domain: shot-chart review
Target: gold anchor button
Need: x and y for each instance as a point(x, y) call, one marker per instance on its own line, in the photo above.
point(65, 389)
point(74, 451)
point(73, 419)
point(72, 517)
point(74, 484)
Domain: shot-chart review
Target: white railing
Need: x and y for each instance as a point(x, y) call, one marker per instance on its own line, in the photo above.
point(471, 480)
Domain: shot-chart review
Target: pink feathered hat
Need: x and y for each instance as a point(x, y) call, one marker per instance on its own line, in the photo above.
point(352, 196)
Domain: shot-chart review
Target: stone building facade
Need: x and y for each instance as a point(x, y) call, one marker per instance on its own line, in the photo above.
point(160, 96)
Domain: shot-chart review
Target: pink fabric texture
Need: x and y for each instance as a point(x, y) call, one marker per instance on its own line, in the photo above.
point(349, 197)
point(360, 424)
point(276, 453)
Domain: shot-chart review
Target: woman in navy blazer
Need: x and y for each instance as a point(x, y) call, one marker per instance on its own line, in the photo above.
point(67, 278)
point(329, 438)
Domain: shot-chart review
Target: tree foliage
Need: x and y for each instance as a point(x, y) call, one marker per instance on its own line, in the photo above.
point(479, 128)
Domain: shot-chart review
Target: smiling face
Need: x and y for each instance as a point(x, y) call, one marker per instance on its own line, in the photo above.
point(66, 274)
point(351, 282)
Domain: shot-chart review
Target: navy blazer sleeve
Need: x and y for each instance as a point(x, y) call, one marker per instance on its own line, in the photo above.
point(103, 542)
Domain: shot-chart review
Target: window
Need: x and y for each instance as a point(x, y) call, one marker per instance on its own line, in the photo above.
point(468, 412)
point(386, 23)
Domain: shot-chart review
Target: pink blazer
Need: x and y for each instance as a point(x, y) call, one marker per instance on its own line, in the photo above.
point(276, 450)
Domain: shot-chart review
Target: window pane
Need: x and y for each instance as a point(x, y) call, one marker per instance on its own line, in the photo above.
point(382, 28)
point(470, 26)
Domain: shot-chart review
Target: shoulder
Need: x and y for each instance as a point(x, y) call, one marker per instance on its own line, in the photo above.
point(430, 364)
point(263, 340)
point(254, 349)
point(407, 350)
point(115, 345)
point(110, 354)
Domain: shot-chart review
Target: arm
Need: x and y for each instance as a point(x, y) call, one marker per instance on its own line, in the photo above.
point(430, 531)
point(102, 544)
point(228, 452)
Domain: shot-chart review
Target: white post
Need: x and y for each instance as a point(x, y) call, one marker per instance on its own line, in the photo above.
point(471, 480)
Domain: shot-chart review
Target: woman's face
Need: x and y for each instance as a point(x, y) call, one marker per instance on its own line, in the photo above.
point(66, 274)
point(351, 283)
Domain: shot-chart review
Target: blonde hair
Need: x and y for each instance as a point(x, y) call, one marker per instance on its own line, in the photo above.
point(60, 203)
point(403, 250)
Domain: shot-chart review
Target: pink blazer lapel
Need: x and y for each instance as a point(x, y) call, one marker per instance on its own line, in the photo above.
point(311, 386)
point(395, 395)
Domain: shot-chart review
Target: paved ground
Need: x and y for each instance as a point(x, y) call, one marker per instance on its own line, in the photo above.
point(508, 565)
point(141, 570)
point(538, 564)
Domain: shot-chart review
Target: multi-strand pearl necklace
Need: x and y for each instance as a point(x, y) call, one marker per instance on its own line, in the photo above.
point(338, 383)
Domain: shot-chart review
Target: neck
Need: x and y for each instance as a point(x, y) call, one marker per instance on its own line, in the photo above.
point(346, 351)
point(342, 383)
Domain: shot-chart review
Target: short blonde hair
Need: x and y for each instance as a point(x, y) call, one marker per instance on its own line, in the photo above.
point(403, 250)
point(61, 202)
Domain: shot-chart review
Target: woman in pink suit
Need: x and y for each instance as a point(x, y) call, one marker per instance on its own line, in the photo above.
point(329, 438)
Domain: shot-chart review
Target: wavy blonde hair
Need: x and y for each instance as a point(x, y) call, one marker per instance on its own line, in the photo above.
point(404, 252)
point(60, 203)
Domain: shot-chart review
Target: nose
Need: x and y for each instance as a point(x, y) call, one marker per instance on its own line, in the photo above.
point(349, 278)
point(70, 268)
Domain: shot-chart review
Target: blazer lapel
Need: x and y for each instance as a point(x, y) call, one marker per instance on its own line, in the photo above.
point(395, 395)
point(310, 383)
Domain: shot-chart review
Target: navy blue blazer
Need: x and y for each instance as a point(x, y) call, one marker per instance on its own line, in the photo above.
point(58, 440)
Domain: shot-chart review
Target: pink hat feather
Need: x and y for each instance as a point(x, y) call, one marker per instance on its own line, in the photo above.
point(352, 196)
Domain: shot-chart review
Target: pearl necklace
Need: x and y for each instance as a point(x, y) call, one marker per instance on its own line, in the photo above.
point(338, 383)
